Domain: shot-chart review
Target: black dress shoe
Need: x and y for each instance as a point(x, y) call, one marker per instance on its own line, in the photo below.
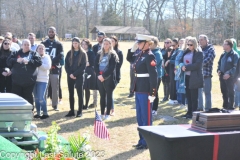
point(70, 114)
point(189, 117)
point(131, 95)
point(36, 116)
point(184, 116)
point(136, 145)
point(79, 114)
point(44, 116)
point(142, 147)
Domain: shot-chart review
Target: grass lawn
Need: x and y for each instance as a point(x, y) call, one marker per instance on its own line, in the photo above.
point(123, 126)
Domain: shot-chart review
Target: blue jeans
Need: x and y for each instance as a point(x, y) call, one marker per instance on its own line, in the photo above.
point(207, 91)
point(39, 92)
point(237, 97)
point(181, 97)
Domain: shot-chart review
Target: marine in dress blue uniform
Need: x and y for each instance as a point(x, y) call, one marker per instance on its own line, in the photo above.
point(145, 84)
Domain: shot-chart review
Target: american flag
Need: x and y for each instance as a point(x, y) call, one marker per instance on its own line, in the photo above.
point(100, 130)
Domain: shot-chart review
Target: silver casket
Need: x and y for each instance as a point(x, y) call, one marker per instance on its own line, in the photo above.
point(15, 119)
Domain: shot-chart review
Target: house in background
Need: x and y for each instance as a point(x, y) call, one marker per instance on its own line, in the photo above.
point(122, 32)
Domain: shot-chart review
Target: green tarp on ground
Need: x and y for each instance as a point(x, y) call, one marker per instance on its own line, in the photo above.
point(9, 151)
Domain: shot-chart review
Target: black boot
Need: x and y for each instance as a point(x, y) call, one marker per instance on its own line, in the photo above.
point(70, 114)
point(85, 107)
point(167, 90)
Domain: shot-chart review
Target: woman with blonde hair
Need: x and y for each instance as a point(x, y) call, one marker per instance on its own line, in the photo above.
point(105, 69)
point(192, 60)
point(40, 87)
point(75, 64)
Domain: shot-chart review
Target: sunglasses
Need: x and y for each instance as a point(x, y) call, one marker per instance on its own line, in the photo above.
point(190, 44)
point(167, 42)
point(6, 43)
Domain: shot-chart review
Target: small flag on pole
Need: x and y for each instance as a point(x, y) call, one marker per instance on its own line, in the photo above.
point(100, 130)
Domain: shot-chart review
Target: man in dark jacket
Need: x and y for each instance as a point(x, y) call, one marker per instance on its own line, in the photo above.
point(24, 65)
point(55, 50)
point(226, 69)
point(96, 48)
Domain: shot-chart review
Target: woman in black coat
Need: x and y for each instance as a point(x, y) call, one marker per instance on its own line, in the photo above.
point(89, 76)
point(192, 60)
point(105, 69)
point(5, 70)
point(119, 64)
point(75, 64)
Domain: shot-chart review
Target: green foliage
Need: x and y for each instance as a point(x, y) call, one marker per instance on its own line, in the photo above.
point(110, 17)
point(79, 146)
point(52, 140)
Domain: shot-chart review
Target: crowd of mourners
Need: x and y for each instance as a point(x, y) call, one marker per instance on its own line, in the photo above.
point(33, 71)
point(183, 66)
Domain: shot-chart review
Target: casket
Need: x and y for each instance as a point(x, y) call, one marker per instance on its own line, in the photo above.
point(216, 121)
point(15, 113)
point(15, 120)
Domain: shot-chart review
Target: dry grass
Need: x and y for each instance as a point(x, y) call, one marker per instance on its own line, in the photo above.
point(122, 126)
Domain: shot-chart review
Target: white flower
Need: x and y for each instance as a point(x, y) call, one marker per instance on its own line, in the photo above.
point(87, 136)
point(86, 148)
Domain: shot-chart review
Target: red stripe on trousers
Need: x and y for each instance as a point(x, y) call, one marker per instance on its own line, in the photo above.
point(149, 112)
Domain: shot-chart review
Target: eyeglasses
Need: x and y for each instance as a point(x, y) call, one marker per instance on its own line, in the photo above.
point(167, 42)
point(6, 43)
point(190, 44)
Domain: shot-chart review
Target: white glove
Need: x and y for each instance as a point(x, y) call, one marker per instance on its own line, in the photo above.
point(151, 98)
point(134, 47)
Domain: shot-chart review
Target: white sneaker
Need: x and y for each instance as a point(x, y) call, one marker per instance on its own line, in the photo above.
point(173, 102)
point(60, 102)
point(154, 113)
point(182, 106)
point(107, 117)
point(170, 101)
